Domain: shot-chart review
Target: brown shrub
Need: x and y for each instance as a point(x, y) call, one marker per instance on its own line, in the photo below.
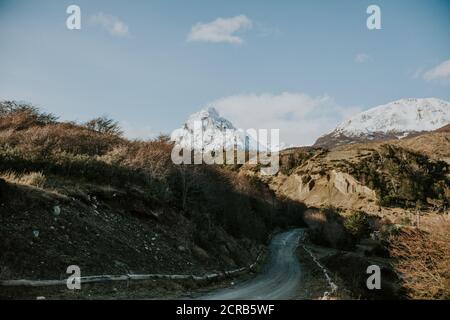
point(18, 116)
point(60, 137)
point(151, 156)
point(422, 258)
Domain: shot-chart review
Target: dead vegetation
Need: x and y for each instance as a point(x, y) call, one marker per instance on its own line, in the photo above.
point(422, 258)
point(415, 257)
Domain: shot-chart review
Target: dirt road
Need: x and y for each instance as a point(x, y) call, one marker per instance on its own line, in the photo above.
point(280, 277)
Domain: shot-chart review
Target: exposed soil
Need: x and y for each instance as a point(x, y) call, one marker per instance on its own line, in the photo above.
point(107, 233)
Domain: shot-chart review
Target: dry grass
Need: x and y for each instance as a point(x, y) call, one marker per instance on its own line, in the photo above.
point(422, 258)
point(35, 179)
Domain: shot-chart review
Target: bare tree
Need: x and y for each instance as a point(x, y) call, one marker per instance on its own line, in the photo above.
point(104, 125)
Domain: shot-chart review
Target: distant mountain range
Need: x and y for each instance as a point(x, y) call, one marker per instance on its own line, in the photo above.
point(395, 120)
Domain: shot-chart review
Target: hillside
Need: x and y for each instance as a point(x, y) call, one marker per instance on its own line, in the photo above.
point(383, 203)
point(435, 145)
point(81, 194)
point(383, 176)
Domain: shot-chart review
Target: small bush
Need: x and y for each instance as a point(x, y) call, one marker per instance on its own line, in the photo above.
point(357, 224)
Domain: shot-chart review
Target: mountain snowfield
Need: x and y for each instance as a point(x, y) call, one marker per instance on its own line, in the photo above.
point(206, 131)
point(405, 115)
point(395, 120)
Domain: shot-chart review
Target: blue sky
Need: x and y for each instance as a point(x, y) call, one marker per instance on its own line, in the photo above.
point(309, 64)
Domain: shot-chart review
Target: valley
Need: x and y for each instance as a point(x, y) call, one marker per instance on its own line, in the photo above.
point(81, 194)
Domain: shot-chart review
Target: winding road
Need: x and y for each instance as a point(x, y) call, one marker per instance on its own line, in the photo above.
point(280, 277)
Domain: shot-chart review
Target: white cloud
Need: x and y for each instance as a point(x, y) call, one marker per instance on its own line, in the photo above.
point(440, 72)
point(220, 30)
point(300, 118)
point(361, 57)
point(113, 25)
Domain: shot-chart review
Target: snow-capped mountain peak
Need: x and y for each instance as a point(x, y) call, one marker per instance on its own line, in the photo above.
point(210, 118)
point(206, 130)
point(398, 119)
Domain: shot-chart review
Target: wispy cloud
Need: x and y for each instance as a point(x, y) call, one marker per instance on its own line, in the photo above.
point(441, 73)
point(361, 57)
point(113, 25)
point(220, 30)
point(300, 117)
